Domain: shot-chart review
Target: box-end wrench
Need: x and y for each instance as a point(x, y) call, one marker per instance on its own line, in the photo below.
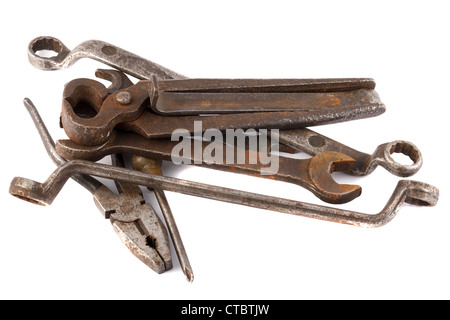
point(106, 53)
point(413, 192)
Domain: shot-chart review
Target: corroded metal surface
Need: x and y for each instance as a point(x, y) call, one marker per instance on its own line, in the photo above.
point(313, 174)
point(164, 101)
point(109, 111)
point(199, 96)
point(412, 192)
point(314, 143)
point(106, 53)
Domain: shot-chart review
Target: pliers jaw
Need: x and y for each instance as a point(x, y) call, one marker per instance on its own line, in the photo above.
point(149, 246)
point(137, 225)
point(135, 221)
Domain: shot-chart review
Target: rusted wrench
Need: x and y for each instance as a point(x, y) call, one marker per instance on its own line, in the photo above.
point(413, 192)
point(98, 50)
point(313, 174)
point(314, 143)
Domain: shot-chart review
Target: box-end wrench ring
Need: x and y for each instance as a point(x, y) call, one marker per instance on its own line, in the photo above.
point(314, 143)
point(104, 52)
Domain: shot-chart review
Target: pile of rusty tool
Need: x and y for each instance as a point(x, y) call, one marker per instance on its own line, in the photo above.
point(139, 119)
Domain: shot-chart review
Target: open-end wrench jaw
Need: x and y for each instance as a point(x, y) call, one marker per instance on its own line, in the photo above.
point(322, 166)
point(314, 174)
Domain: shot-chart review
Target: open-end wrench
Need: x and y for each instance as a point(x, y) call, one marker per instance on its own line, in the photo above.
point(314, 174)
point(413, 192)
point(314, 143)
point(134, 220)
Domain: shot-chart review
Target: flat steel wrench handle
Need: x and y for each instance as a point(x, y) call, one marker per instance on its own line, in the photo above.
point(104, 52)
point(314, 143)
point(413, 192)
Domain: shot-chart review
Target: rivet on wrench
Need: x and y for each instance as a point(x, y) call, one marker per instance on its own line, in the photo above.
point(124, 98)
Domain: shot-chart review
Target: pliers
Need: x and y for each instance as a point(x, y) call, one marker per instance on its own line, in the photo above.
point(134, 220)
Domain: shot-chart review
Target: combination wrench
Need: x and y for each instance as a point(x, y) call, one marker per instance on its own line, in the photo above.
point(104, 52)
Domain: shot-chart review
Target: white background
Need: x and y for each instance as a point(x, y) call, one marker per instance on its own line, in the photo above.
point(68, 251)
